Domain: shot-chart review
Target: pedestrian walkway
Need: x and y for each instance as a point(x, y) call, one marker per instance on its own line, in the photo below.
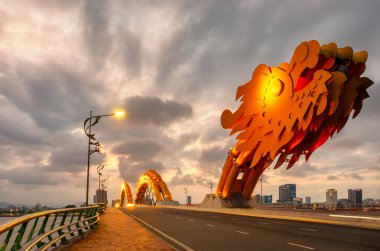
point(118, 231)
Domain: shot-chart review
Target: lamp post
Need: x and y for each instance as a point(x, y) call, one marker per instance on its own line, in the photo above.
point(261, 191)
point(88, 123)
point(98, 169)
point(185, 189)
point(211, 185)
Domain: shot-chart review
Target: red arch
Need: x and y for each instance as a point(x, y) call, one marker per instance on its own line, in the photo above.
point(159, 188)
point(126, 195)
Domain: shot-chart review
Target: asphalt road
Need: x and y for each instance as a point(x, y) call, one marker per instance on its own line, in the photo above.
point(200, 230)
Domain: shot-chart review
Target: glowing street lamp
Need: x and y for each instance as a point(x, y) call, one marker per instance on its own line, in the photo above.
point(88, 123)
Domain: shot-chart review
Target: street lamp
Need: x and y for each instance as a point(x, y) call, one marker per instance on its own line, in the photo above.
point(98, 169)
point(211, 185)
point(88, 123)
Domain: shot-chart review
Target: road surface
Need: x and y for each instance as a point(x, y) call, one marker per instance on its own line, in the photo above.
point(198, 230)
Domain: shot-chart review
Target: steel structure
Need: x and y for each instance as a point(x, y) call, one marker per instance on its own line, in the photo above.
point(125, 195)
point(157, 185)
point(291, 110)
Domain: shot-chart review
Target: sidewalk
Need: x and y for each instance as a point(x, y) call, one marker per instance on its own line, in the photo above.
point(118, 231)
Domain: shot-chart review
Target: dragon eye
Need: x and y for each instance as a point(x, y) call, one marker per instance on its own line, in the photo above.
point(277, 87)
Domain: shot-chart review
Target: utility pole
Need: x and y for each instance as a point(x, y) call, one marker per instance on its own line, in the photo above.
point(185, 189)
point(211, 185)
point(261, 193)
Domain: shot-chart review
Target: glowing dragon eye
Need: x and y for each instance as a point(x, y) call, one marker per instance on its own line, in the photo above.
point(277, 87)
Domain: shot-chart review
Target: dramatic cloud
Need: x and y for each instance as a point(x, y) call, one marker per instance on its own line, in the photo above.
point(155, 111)
point(174, 66)
point(139, 149)
point(131, 171)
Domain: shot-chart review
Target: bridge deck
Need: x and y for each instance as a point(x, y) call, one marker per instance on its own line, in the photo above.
point(118, 231)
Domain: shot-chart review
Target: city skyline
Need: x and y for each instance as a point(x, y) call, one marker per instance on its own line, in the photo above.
point(174, 68)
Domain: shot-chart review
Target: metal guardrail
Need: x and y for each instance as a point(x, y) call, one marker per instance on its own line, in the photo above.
point(48, 229)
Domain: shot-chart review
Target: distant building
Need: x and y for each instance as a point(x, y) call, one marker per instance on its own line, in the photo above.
point(100, 196)
point(267, 199)
point(115, 203)
point(297, 201)
point(287, 193)
point(331, 199)
point(307, 200)
point(355, 197)
point(188, 200)
point(257, 199)
point(344, 203)
point(368, 202)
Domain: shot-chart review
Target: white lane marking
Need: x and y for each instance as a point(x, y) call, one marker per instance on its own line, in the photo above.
point(309, 229)
point(234, 219)
point(261, 222)
point(162, 233)
point(210, 225)
point(354, 217)
point(215, 216)
point(237, 231)
point(191, 220)
point(301, 246)
point(168, 215)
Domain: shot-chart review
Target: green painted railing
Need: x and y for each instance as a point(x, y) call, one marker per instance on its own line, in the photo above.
point(48, 229)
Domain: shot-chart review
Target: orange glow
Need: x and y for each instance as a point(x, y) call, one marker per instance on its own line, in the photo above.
point(130, 205)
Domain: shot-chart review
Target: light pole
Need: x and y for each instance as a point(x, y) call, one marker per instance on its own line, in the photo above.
point(98, 169)
point(88, 123)
point(102, 192)
point(185, 189)
point(211, 185)
point(261, 192)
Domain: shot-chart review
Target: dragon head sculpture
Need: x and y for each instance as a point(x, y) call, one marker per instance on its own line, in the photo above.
point(292, 109)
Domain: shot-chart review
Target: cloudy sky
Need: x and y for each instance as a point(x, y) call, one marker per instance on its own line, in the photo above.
point(174, 66)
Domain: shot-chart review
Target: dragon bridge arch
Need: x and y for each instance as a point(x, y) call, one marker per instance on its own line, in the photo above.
point(152, 180)
point(125, 195)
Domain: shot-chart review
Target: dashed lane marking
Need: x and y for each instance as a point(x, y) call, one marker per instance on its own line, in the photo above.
point(240, 232)
point(309, 229)
point(210, 225)
point(261, 222)
point(301, 246)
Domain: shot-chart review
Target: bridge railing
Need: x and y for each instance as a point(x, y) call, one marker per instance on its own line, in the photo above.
point(46, 230)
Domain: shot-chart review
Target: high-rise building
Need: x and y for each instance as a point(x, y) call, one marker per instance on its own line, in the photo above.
point(355, 196)
point(287, 193)
point(331, 199)
point(101, 196)
point(307, 200)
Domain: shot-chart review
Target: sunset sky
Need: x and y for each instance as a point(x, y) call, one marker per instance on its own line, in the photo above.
point(174, 66)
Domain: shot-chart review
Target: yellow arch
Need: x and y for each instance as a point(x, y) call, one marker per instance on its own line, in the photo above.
point(126, 195)
point(152, 179)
